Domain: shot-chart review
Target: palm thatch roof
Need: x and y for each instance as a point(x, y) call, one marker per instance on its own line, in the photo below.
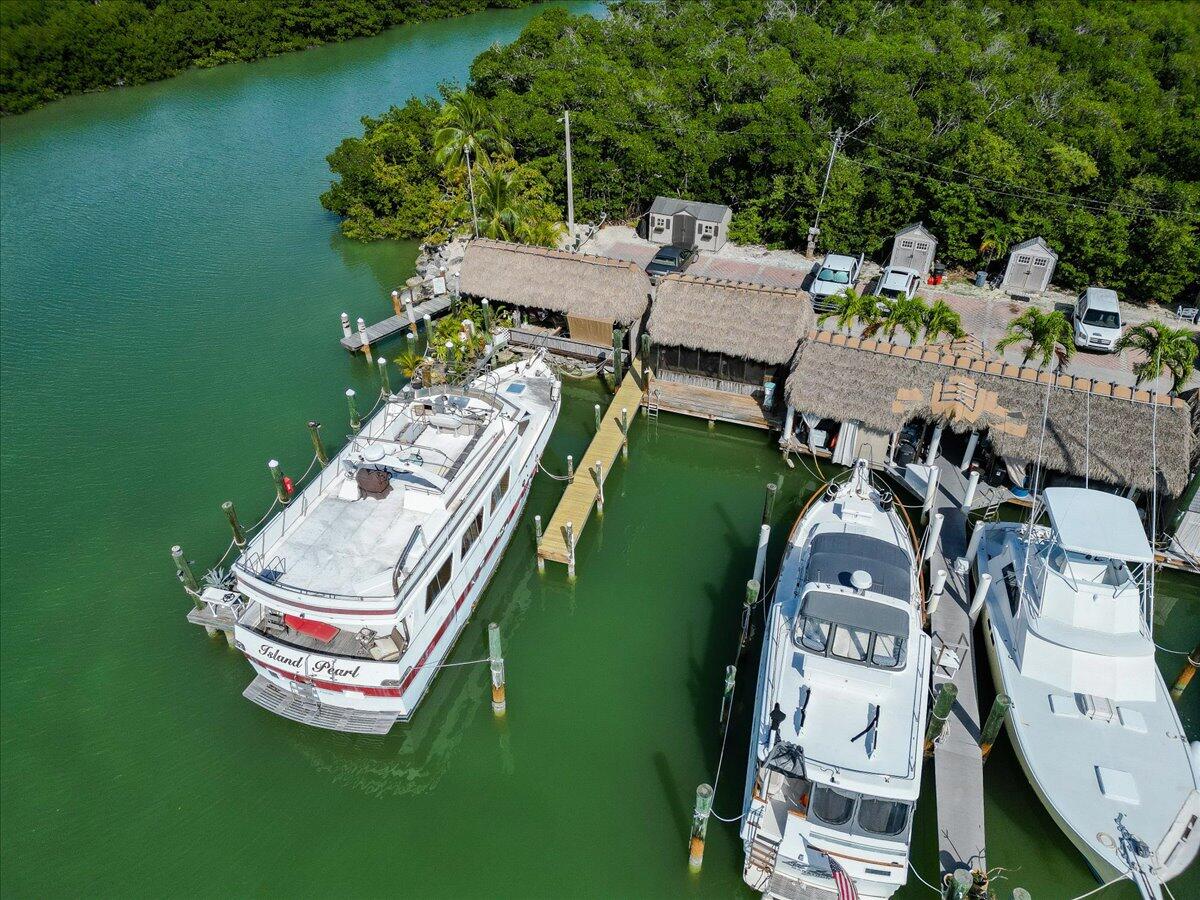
point(1092, 427)
point(735, 318)
point(579, 284)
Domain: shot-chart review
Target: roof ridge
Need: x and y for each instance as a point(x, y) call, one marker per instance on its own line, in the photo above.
point(735, 282)
point(557, 253)
point(1007, 371)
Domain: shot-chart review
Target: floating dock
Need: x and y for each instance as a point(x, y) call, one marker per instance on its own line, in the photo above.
point(558, 542)
point(381, 331)
point(958, 761)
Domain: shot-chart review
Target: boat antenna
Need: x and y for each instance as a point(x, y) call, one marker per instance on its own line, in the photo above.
point(1037, 477)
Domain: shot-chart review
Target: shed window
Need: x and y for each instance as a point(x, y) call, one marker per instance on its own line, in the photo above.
point(1040, 262)
point(437, 584)
point(922, 246)
point(471, 535)
point(906, 245)
point(658, 223)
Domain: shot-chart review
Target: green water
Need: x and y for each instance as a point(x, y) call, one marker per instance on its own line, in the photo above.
point(169, 292)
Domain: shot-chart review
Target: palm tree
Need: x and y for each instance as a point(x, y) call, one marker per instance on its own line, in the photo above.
point(409, 362)
point(541, 232)
point(500, 214)
point(905, 314)
point(1043, 334)
point(849, 306)
point(942, 319)
point(467, 128)
point(1172, 349)
point(994, 241)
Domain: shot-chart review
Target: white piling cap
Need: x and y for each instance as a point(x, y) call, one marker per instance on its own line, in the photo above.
point(349, 392)
point(861, 580)
point(382, 363)
point(272, 464)
point(345, 317)
point(362, 325)
point(395, 295)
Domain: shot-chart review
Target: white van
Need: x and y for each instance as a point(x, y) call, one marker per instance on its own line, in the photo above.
point(1098, 323)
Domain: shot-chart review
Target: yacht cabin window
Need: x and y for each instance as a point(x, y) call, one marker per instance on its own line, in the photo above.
point(437, 584)
point(852, 628)
point(471, 535)
point(846, 811)
point(499, 491)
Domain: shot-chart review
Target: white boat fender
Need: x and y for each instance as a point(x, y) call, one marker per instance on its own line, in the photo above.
point(555, 391)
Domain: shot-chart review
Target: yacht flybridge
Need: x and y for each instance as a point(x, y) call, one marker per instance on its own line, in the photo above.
point(836, 749)
point(1068, 628)
point(350, 598)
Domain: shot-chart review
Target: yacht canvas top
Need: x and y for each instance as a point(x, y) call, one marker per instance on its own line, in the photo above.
point(1097, 523)
point(858, 612)
point(835, 556)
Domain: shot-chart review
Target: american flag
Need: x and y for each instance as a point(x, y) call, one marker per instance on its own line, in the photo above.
point(845, 886)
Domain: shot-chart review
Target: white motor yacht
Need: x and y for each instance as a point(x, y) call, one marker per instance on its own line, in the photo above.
point(352, 595)
point(836, 749)
point(1069, 634)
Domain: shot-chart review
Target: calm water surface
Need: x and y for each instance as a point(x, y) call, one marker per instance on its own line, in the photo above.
point(170, 290)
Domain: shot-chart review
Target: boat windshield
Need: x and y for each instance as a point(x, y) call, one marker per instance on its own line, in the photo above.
point(870, 816)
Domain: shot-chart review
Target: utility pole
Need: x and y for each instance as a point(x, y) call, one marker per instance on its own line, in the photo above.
point(566, 120)
point(815, 231)
point(471, 189)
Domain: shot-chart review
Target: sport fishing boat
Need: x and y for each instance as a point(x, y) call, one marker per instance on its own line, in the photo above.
point(1068, 629)
point(353, 594)
point(836, 749)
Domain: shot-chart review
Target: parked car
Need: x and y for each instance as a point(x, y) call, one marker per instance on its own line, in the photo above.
point(896, 282)
point(835, 274)
point(669, 261)
point(1097, 317)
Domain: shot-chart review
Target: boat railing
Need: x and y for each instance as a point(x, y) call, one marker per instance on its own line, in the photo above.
point(399, 571)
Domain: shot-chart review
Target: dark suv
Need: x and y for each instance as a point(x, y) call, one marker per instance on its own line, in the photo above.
point(668, 261)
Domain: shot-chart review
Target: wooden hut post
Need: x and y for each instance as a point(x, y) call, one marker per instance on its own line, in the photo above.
point(789, 422)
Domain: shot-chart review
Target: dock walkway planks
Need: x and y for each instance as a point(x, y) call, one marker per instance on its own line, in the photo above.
point(559, 346)
point(958, 763)
point(580, 496)
point(380, 331)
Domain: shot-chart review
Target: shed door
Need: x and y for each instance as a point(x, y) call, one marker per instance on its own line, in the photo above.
point(1025, 277)
point(683, 232)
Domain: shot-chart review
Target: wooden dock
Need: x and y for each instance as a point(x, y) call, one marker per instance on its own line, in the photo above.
point(535, 338)
point(381, 331)
point(705, 403)
point(958, 763)
point(582, 492)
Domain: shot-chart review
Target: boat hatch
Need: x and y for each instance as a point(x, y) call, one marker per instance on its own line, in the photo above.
point(835, 557)
point(516, 387)
point(1117, 785)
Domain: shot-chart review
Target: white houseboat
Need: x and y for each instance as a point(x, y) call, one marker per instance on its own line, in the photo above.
point(1069, 634)
point(352, 595)
point(836, 750)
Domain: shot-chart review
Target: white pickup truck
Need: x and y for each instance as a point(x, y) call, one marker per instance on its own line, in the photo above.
point(833, 276)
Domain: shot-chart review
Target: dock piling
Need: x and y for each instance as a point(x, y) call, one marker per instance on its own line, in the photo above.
point(365, 346)
point(752, 587)
point(355, 421)
point(569, 535)
point(383, 375)
point(973, 543)
point(704, 799)
point(314, 429)
point(769, 503)
point(597, 408)
point(981, 591)
point(991, 727)
point(930, 492)
point(412, 316)
point(618, 355)
point(946, 696)
point(935, 595)
point(624, 423)
point(932, 534)
point(570, 468)
point(487, 315)
point(396, 302)
point(598, 475)
point(239, 538)
point(1185, 675)
point(957, 885)
point(496, 658)
point(281, 486)
point(727, 697)
point(537, 534)
point(183, 571)
point(760, 557)
point(428, 320)
point(346, 330)
point(972, 486)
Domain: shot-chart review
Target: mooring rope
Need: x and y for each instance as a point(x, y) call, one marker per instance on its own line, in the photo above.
point(552, 475)
point(913, 869)
point(1099, 889)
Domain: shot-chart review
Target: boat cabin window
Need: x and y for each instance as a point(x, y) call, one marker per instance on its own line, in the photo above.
point(886, 818)
point(846, 811)
point(471, 535)
point(858, 645)
point(437, 584)
point(499, 491)
point(831, 806)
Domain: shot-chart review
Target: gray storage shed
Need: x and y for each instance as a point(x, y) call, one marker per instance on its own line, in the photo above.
point(688, 223)
point(914, 248)
point(1030, 267)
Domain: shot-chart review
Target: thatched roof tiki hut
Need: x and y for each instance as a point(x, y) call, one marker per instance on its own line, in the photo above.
point(579, 297)
point(1094, 430)
point(710, 335)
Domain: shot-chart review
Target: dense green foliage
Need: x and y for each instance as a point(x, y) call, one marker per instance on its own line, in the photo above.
point(990, 122)
point(50, 48)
